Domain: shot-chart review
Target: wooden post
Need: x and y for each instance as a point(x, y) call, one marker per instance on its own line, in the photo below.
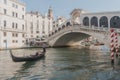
point(116, 44)
point(112, 46)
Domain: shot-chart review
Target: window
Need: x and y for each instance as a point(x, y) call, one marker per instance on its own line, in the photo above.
point(16, 41)
point(16, 14)
point(5, 11)
point(31, 36)
point(22, 41)
point(5, 1)
point(22, 27)
point(23, 35)
point(13, 5)
point(13, 14)
point(13, 41)
point(12, 34)
point(5, 24)
point(31, 25)
point(4, 34)
point(37, 31)
point(12, 25)
point(4, 41)
point(37, 36)
point(37, 25)
point(31, 32)
point(23, 9)
point(16, 35)
point(16, 6)
point(16, 25)
point(22, 16)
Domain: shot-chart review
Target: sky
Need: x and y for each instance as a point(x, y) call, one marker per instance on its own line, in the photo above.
point(64, 7)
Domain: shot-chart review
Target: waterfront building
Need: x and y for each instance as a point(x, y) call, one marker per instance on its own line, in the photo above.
point(12, 24)
point(38, 25)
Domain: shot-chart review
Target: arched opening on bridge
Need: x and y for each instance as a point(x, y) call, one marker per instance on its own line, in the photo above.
point(52, 33)
point(68, 24)
point(59, 29)
point(63, 26)
point(104, 21)
point(86, 21)
point(94, 21)
point(70, 39)
point(55, 31)
point(115, 22)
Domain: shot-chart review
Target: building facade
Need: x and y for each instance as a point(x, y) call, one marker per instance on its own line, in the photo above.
point(12, 24)
point(38, 26)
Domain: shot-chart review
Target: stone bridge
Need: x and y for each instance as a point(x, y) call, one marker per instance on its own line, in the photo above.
point(73, 34)
point(74, 30)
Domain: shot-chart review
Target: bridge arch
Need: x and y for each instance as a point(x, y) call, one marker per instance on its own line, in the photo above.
point(68, 24)
point(63, 26)
point(103, 21)
point(94, 21)
point(115, 22)
point(70, 38)
point(71, 35)
point(86, 21)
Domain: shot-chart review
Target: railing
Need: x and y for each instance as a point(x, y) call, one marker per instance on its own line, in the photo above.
point(62, 31)
point(77, 27)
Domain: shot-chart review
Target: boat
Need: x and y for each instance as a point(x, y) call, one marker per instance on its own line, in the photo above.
point(28, 58)
point(98, 44)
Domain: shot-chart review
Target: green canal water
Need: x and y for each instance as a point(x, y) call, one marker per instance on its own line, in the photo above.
point(59, 64)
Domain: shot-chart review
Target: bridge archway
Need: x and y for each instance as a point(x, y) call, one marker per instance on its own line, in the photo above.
point(94, 21)
point(104, 21)
point(115, 22)
point(70, 39)
point(72, 35)
point(86, 21)
point(68, 24)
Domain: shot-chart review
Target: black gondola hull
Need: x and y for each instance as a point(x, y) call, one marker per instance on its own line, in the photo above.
point(27, 58)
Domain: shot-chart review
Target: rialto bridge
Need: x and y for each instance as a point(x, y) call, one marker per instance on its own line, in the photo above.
point(82, 25)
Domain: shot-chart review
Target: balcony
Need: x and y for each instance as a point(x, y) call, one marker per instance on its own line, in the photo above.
point(13, 30)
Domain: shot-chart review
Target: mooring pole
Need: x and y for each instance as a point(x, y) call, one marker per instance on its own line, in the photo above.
point(116, 44)
point(112, 46)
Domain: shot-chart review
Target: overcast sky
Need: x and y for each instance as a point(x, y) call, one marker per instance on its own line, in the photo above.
point(64, 7)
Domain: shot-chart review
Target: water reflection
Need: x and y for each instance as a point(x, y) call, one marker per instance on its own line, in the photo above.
point(26, 69)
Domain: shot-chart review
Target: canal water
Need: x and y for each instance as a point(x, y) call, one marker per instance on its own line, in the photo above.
point(59, 64)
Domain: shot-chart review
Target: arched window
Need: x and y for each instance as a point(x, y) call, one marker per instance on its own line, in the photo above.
point(94, 21)
point(103, 21)
point(86, 21)
point(115, 22)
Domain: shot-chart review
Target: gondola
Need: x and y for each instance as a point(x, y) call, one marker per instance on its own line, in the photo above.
point(28, 58)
